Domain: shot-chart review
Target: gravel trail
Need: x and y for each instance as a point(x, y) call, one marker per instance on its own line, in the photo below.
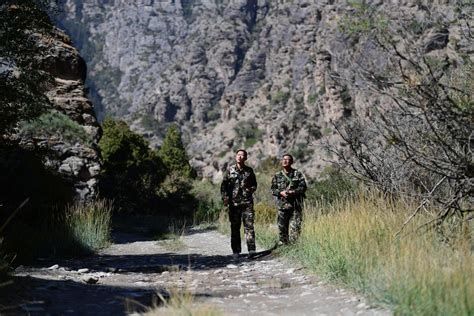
point(126, 276)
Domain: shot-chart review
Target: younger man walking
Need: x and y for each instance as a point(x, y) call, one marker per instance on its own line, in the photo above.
point(289, 187)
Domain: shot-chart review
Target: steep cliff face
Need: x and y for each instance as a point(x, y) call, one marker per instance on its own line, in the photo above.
point(76, 158)
point(268, 76)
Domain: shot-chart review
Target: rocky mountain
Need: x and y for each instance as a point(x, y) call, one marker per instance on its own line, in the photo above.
point(75, 157)
point(268, 76)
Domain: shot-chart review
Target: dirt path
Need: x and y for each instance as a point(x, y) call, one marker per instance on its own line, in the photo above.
point(135, 269)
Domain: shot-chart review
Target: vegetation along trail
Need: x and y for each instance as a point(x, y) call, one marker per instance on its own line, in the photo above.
point(133, 272)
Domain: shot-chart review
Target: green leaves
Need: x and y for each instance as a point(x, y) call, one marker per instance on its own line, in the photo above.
point(174, 155)
point(132, 172)
point(22, 82)
point(139, 178)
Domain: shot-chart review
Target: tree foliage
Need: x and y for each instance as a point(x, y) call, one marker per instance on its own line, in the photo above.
point(141, 179)
point(418, 140)
point(22, 82)
point(174, 155)
point(132, 172)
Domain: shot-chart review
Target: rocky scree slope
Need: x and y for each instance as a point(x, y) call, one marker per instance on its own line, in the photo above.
point(269, 76)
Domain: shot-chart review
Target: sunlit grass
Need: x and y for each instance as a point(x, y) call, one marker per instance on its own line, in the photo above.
point(172, 240)
point(89, 223)
point(354, 242)
point(181, 304)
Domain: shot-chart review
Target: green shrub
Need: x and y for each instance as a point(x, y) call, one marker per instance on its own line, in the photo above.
point(249, 142)
point(301, 152)
point(209, 202)
point(132, 172)
point(312, 98)
point(362, 19)
point(280, 97)
point(175, 187)
point(334, 187)
point(269, 165)
point(23, 82)
point(248, 131)
point(54, 123)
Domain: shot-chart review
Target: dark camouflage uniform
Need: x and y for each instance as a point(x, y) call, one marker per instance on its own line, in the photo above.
point(290, 210)
point(238, 187)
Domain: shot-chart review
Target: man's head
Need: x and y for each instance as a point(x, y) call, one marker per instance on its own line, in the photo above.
point(241, 156)
point(286, 161)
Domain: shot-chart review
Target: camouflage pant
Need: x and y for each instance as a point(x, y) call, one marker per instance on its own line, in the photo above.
point(237, 214)
point(292, 219)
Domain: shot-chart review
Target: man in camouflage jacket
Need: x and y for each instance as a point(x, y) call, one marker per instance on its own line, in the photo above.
point(237, 190)
point(289, 187)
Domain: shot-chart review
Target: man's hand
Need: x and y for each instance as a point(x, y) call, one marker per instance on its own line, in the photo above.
point(225, 201)
point(284, 194)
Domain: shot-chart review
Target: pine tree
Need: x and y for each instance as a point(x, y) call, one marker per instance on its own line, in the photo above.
point(173, 154)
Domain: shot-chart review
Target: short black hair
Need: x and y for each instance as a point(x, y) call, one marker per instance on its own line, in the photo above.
point(242, 150)
point(288, 155)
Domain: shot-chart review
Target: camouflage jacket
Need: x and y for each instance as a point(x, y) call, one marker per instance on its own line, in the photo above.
point(239, 185)
point(293, 180)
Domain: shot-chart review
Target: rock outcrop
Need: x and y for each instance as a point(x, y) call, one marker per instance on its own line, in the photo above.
point(77, 159)
point(268, 76)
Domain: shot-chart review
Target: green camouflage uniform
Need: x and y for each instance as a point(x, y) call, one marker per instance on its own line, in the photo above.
point(238, 187)
point(290, 210)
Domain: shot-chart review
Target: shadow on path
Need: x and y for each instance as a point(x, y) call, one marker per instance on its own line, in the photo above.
point(55, 296)
point(35, 296)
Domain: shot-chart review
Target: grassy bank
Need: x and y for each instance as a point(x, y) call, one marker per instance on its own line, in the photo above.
point(354, 243)
point(76, 230)
point(350, 238)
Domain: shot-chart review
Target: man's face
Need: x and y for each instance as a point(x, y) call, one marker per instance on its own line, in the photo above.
point(240, 157)
point(286, 161)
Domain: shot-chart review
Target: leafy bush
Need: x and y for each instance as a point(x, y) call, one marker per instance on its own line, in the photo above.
point(131, 172)
point(175, 187)
point(335, 186)
point(22, 82)
point(312, 98)
point(208, 199)
point(301, 152)
point(54, 123)
point(280, 97)
point(249, 131)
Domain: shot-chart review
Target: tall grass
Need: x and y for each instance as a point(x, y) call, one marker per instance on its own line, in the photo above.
point(89, 224)
point(71, 231)
point(348, 237)
point(181, 304)
point(353, 242)
point(208, 199)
